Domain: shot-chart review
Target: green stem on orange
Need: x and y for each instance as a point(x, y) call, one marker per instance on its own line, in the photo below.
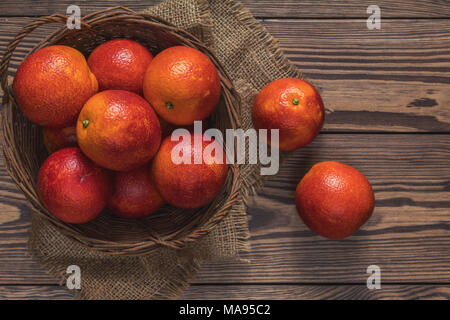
point(169, 105)
point(85, 123)
point(295, 101)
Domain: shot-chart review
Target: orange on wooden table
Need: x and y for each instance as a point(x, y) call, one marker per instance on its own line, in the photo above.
point(52, 85)
point(118, 130)
point(120, 64)
point(334, 199)
point(182, 84)
point(292, 106)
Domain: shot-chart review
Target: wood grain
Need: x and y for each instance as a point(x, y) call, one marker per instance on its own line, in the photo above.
point(316, 292)
point(389, 80)
point(408, 235)
point(259, 292)
point(394, 79)
point(260, 8)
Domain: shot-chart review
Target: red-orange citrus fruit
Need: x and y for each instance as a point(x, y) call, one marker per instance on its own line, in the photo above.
point(120, 64)
point(118, 130)
point(52, 85)
point(334, 199)
point(189, 185)
point(292, 106)
point(134, 194)
point(72, 187)
point(182, 84)
point(59, 138)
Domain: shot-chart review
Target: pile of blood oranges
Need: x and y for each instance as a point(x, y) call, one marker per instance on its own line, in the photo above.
point(101, 120)
point(107, 124)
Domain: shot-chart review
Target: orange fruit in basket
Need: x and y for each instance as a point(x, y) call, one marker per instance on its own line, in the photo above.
point(120, 64)
point(118, 130)
point(334, 199)
point(184, 184)
point(52, 84)
point(182, 84)
point(59, 138)
point(292, 106)
point(72, 187)
point(134, 194)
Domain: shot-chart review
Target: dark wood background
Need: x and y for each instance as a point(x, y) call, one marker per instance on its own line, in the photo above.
point(387, 94)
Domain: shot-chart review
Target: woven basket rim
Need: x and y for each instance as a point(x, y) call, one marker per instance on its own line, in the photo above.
point(26, 184)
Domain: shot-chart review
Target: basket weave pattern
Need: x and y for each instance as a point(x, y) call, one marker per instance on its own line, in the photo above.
point(24, 152)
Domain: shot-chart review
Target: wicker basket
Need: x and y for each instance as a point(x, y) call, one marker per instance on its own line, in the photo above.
point(24, 152)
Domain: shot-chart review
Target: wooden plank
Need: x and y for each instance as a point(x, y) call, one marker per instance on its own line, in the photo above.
point(317, 292)
point(34, 293)
point(260, 8)
point(394, 79)
point(408, 236)
point(259, 292)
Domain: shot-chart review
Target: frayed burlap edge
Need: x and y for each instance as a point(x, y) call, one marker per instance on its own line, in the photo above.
point(163, 275)
point(246, 17)
point(203, 26)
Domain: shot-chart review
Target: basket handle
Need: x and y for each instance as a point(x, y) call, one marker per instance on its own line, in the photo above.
point(54, 18)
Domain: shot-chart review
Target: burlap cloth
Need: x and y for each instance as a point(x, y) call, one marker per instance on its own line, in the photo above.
point(252, 59)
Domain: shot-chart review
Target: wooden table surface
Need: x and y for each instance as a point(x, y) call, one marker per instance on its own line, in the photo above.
point(387, 94)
